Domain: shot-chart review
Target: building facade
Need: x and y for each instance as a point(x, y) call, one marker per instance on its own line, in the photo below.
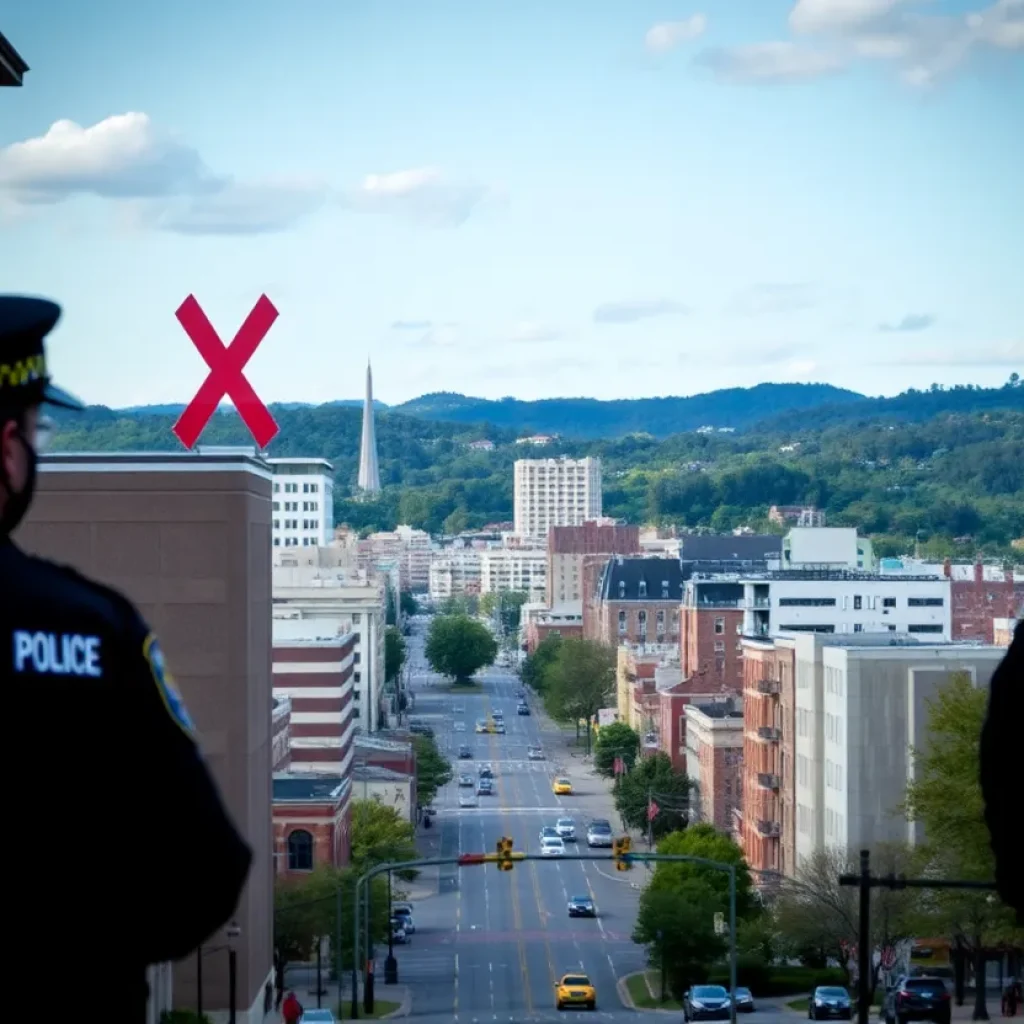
point(638, 601)
point(315, 674)
point(555, 492)
point(568, 546)
point(280, 737)
point(186, 537)
point(303, 502)
point(711, 626)
point(519, 570)
point(714, 761)
point(312, 822)
point(453, 573)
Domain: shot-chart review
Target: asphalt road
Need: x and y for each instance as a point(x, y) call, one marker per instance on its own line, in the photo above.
point(490, 945)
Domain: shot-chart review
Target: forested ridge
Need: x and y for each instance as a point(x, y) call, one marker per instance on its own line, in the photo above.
point(898, 474)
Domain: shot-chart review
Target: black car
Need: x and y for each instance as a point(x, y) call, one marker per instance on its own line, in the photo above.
point(706, 1002)
point(582, 906)
point(744, 1000)
point(486, 772)
point(914, 999)
point(465, 753)
point(522, 709)
point(829, 1002)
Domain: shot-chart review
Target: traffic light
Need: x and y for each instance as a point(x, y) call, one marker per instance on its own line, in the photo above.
point(504, 847)
point(620, 851)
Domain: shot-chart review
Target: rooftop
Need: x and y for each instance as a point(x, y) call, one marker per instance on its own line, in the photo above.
point(294, 461)
point(200, 460)
point(296, 787)
point(12, 66)
point(823, 573)
point(717, 548)
point(642, 579)
point(377, 773)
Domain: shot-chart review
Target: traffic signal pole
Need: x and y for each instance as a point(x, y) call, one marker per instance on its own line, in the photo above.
point(506, 858)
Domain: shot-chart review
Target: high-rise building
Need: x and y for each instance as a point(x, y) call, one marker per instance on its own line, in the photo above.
point(555, 492)
point(303, 504)
point(369, 470)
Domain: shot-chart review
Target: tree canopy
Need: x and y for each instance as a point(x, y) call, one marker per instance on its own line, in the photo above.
point(394, 654)
point(580, 680)
point(534, 671)
point(458, 646)
point(614, 741)
point(408, 604)
point(380, 834)
point(433, 769)
point(655, 777)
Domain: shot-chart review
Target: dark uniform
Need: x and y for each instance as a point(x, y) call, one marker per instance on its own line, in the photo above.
point(1002, 777)
point(121, 852)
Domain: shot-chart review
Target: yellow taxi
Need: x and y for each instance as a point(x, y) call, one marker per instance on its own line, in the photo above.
point(482, 726)
point(575, 990)
point(562, 787)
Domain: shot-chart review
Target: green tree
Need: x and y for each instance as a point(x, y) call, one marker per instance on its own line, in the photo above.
point(390, 608)
point(380, 834)
point(678, 928)
point(654, 777)
point(705, 841)
point(455, 522)
point(433, 769)
point(615, 740)
point(535, 669)
point(394, 654)
point(945, 797)
point(580, 681)
point(408, 604)
point(458, 646)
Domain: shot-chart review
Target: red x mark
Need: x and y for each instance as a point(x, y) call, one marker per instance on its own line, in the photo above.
point(225, 376)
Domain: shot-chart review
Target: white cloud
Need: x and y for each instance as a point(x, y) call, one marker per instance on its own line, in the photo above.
point(424, 194)
point(669, 34)
point(162, 183)
point(1001, 25)
point(779, 62)
point(909, 324)
point(814, 16)
point(446, 335)
point(631, 311)
point(1008, 354)
point(528, 332)
point(412, 325)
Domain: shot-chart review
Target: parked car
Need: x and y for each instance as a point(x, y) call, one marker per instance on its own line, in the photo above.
point(582, 906)
point(706, 1002)
point(403, 912)
point(916, 999)
point(829, 1002)
point(744, 1000)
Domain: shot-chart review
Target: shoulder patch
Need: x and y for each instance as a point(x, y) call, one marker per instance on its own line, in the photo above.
point(172, 701)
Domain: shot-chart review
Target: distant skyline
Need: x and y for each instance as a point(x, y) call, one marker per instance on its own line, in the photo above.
point(591, 199)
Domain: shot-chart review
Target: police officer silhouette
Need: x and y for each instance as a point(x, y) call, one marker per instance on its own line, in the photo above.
point(121, 851)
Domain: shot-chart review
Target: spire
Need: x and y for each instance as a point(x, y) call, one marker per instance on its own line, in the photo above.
point(369, 470)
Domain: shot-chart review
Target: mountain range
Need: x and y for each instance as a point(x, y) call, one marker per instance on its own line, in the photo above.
point(766, 406)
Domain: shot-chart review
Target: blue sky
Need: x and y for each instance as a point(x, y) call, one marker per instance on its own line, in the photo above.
point(617, 198)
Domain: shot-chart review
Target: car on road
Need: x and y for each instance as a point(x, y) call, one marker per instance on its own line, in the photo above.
point(549, 832)
point(917, 998)
point(399, 935)
point(706, 1002)
point(562, 787)
point(522, 709)
point(575, 990)
point(744, 1000)
point(465, 753)
point(552, 846)
point(420, 729)
point(582, 906)
point(467, 800)
point(403, 912)
point(459, 726)
point(566, 829)
point(482, 726)
point(317, 1017)
point(830, 1002)
point(520, 695)
point(466, 781)
point(485, 788)
point(535, 754)
point(459, 709)
point(499, 727)
point(599, 833)
point(486, 771)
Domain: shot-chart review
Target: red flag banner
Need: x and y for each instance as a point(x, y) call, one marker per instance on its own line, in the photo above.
point(652, 810)
point(619, 766)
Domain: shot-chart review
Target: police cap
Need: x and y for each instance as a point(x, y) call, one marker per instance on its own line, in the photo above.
point(24, 324)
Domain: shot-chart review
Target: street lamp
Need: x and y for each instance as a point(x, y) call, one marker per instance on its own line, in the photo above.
point(391, 964)
point(231, 932)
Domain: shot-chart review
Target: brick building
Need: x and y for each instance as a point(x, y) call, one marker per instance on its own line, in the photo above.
point(312, 822)
point(569, 545)
point(638, 601)
point(316, 676)
point(186, 536)
point(712, 621)
point(714, 761)
point(392, 750)
point(979, 595)
point(280, 735)
point(765, 823)
point(544, 623)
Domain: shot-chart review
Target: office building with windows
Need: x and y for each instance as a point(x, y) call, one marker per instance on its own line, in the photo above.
point(555, 492)
point(303, 502)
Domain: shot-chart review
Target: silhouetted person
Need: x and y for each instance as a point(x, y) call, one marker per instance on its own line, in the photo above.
point(126, 855)
point(1002, 777)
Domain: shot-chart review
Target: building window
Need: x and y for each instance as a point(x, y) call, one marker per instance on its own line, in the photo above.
point(660, 621)
point(858, 602)
point(622, 623)
point(642, 590)
point(926, 602)
point(924, 629)
point(719, 625)
point(888, 602)
point(641, 620)
point(719, 646)
point(357, 618)
point(300, 851)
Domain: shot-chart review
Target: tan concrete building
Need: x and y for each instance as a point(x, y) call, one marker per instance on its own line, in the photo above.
point(568, 546)
point(186, 537)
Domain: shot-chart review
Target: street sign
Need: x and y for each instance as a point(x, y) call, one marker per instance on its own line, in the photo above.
point(225, 377)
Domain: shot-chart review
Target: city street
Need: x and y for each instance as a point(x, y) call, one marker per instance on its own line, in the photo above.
point(490, 945)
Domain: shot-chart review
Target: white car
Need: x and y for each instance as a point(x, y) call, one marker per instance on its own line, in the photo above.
point(566, 829)
point(459, 726)
point(552, 846)
point(467, 800)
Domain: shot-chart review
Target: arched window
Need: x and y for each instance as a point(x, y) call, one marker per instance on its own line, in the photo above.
point(300, 851)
